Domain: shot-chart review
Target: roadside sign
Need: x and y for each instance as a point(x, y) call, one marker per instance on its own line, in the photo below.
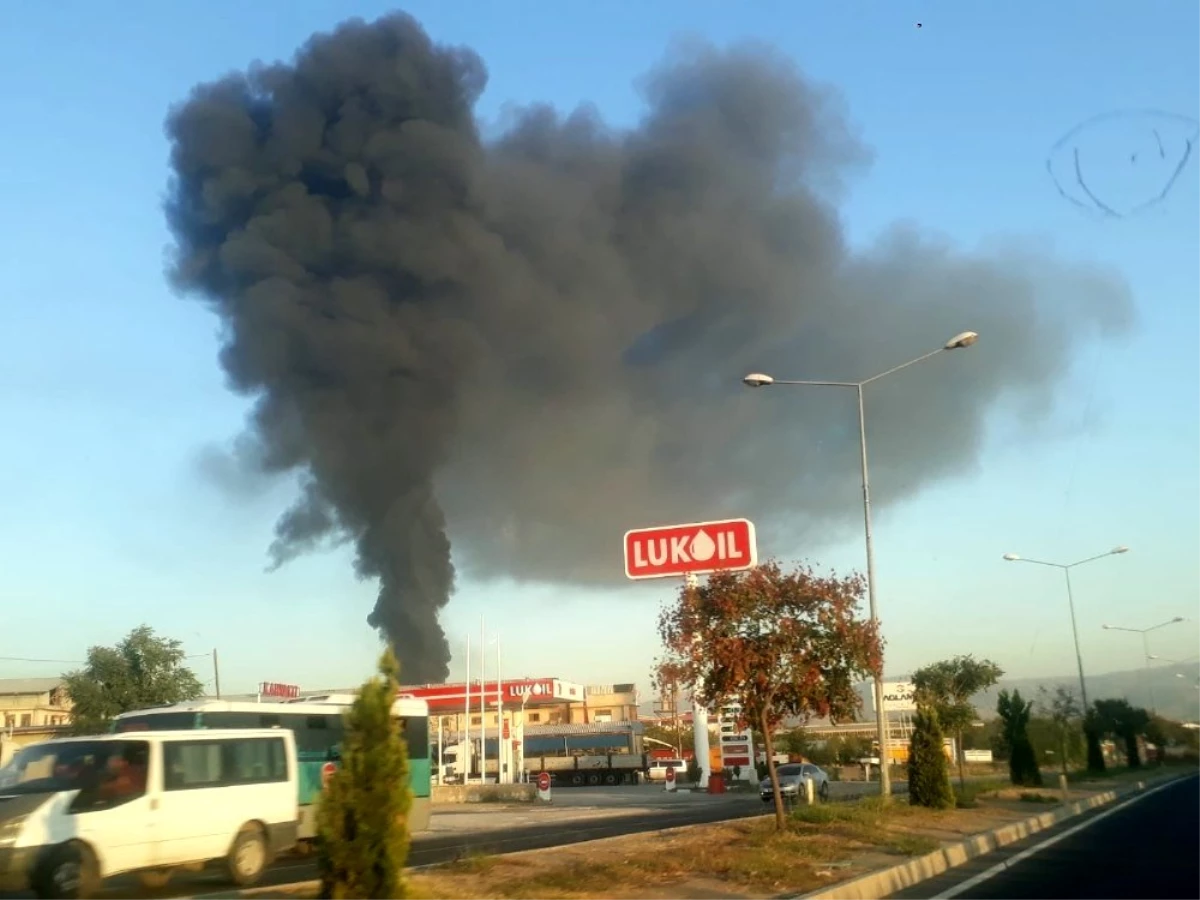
point(327, 771)
point(898, 696)
point(670, 776)
point(671, 770)
point(278, 690)
point(691, 549)
point(543, 786)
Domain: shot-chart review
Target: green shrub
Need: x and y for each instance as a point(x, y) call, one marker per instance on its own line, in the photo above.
point(928, 768)
point(362, 818)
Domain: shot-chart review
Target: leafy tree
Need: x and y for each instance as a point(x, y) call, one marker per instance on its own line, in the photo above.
point(928, 768)
point(948, 686)
point(142, 670)
point(362, 817)
point(1065, 716)
point(666, 678)
point(680, 739)
point(1015, 712)
point(779, 643)
point(1121, 720)
point(797, 743)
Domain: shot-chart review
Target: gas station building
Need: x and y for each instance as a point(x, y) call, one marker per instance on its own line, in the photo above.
point(524, 701)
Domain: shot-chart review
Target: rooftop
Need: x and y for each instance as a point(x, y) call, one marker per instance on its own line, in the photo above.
point(12, 686)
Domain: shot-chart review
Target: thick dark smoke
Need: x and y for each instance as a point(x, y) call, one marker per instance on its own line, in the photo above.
point(539, 340)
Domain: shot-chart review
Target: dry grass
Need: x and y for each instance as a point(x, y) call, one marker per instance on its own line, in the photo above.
point(747, 858)
point(742, 859)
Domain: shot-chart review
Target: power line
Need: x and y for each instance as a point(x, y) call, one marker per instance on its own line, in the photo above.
point(80, 662)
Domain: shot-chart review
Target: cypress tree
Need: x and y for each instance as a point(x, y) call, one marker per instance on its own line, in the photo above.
point(362, 820)
point(1022, 761)
point(928, 768)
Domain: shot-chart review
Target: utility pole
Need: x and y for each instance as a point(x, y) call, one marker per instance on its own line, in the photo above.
point(216, 673)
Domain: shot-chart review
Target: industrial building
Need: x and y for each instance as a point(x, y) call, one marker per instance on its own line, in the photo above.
point(32, 710)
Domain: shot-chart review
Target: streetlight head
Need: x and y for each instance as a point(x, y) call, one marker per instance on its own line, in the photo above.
point(961, 341)
point(1011, 557)
point(1119, 549)
point(1179, 619)
point(1106, 627)
point(757, 379)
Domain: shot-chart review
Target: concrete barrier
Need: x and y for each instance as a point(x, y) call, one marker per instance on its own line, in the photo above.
point(484, 793)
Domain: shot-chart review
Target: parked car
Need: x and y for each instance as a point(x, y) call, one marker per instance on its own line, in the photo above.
point(791, 782)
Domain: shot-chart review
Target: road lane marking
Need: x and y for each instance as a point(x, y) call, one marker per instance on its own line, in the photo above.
point(1001, 867)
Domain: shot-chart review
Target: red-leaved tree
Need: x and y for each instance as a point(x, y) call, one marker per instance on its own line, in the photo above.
point(779, 643)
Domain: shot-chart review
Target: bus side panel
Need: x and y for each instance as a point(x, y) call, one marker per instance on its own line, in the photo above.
point(308, 768)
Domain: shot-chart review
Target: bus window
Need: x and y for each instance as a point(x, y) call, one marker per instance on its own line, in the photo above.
point(416, 734)
point(314, 733)
point(176, 721)
point(230, 720)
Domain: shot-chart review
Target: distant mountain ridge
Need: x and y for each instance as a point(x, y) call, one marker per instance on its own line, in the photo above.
point(1175, 698)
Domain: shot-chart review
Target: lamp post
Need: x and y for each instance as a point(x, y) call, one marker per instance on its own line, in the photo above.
point(1146, 657)
point(1066, 569)
point(958, 342)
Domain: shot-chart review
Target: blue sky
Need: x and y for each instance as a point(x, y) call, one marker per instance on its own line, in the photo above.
point(110, 386)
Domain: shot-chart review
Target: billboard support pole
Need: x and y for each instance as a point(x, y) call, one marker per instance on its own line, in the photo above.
point(699, 714)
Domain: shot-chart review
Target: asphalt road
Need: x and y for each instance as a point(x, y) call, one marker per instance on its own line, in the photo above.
point(431, 849)
point(446, 848)
point(1146, 849)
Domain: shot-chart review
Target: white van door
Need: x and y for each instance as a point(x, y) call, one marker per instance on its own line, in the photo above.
point(212, 786)
point(192, 814)
point(116, 814)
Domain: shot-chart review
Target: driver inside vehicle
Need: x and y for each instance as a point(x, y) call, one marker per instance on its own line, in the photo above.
point(125, 774)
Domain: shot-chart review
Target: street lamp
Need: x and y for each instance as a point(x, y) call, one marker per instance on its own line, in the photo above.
point(958, 342)
point(1066, 568)
point(1146, 650)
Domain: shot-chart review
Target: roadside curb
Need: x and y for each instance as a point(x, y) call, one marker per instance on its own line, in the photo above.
point(884, 882)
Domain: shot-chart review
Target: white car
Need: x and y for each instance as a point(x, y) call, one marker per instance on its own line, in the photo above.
point(791, 782)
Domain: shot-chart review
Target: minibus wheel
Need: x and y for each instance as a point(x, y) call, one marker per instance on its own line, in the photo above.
point(248, 856)
point(70, 872)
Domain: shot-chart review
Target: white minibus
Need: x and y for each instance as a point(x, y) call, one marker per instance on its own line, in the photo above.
point(75, 811)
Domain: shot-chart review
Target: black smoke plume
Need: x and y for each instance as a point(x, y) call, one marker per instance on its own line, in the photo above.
point(539, 339)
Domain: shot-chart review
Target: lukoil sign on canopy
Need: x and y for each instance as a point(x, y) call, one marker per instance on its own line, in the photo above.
point(673, 550)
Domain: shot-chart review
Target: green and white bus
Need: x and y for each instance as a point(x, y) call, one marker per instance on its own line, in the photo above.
point(318, 725)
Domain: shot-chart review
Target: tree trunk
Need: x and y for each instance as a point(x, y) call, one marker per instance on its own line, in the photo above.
point(1062, 748)
point(962, 762)
point(780, 816)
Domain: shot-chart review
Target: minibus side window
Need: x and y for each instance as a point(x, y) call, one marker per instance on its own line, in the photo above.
point(256, 761)
point(114, 775)
point(191, 765)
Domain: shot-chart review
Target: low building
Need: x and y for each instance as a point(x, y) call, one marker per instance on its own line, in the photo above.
point(31, 710)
